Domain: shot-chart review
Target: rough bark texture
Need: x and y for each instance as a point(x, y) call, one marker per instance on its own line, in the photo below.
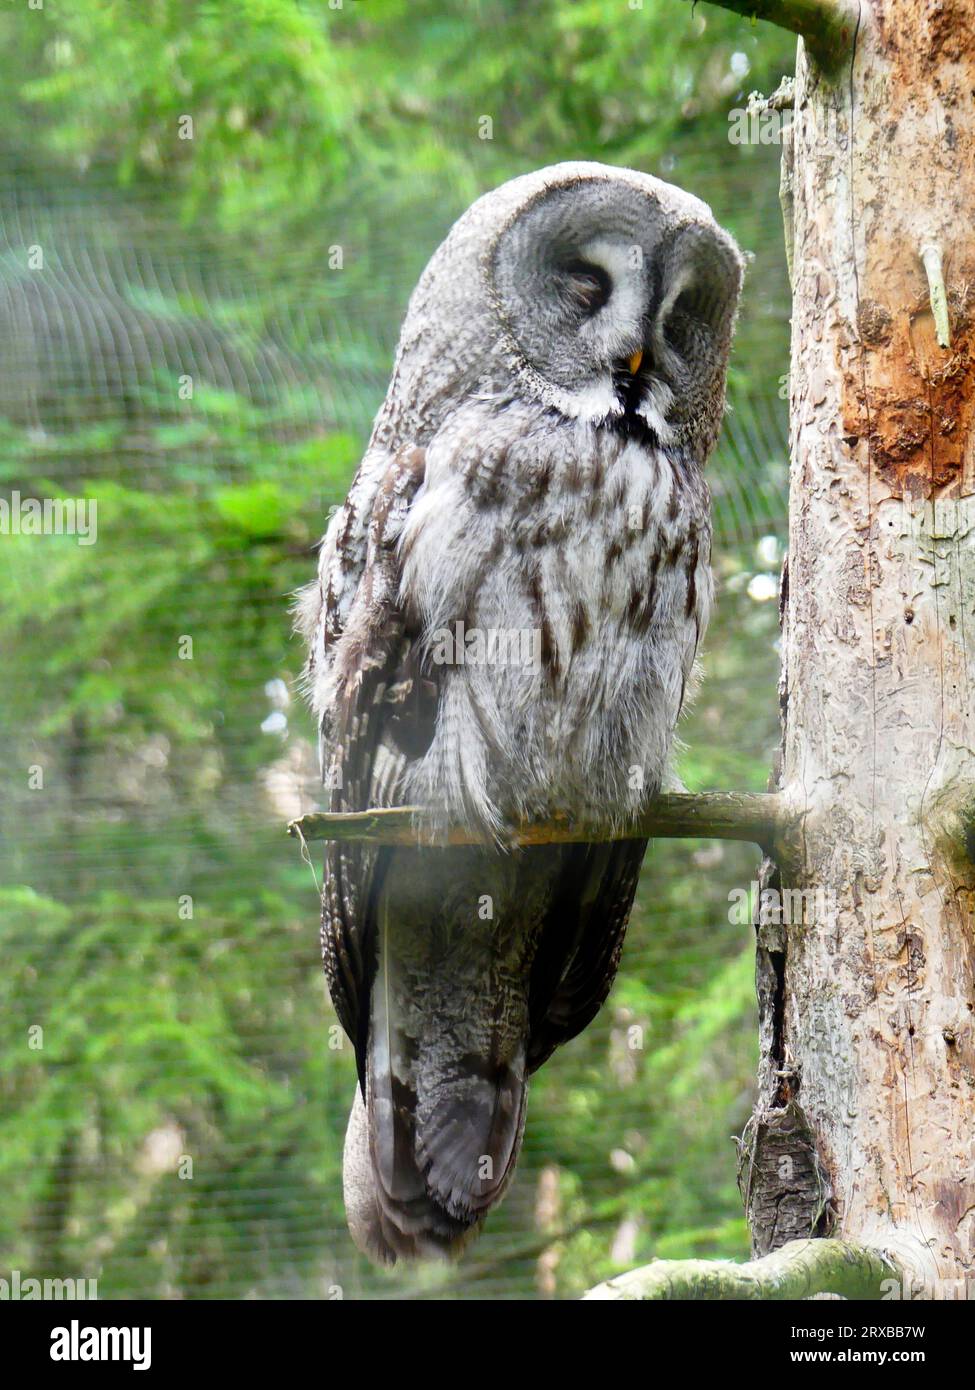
point(868, 1010)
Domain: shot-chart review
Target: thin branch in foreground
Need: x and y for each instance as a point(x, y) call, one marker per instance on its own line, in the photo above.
point(758, 817)
point(799, 1270)
point(826, 26)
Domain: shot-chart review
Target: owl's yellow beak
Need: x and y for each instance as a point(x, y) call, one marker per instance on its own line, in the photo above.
point(634, 362)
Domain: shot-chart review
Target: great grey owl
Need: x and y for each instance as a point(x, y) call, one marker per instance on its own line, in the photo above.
point(504, 624)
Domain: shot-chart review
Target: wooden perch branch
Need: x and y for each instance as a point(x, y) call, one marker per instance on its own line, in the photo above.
point(797, 1270)
point(759, 817)
point(827, 26)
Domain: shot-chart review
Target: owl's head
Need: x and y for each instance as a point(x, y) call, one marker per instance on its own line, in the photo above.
point(616, 295)
point(603, 294)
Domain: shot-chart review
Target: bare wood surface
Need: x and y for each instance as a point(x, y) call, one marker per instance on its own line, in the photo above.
point(752, 816)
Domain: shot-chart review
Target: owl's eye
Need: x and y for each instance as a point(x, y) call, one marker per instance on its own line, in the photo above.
point(693, 314)
point(588, 285)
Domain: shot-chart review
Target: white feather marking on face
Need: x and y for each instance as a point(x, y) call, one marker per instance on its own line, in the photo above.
point(593, 402)
point(654, 405)
point(663, 353)
point(628, 295)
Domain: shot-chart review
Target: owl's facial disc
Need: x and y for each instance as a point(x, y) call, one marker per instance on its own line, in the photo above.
point(618, 307)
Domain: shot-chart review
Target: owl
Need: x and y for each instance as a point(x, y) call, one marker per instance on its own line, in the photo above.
point(503, 628)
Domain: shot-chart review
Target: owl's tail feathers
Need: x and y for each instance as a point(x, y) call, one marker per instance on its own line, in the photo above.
point(409, 1226)
point(421, 1170)
point(469, 1126)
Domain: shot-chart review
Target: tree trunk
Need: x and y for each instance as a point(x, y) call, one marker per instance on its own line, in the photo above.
point(865, 1126)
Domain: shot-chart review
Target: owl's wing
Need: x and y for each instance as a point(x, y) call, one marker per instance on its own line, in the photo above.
point(377, 708)
point(589, 913)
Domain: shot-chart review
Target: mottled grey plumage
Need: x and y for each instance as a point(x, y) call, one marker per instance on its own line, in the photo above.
point(522, 476)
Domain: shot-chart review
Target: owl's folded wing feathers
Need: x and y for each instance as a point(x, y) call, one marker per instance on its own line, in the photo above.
point(581, 942)
point(376, 709)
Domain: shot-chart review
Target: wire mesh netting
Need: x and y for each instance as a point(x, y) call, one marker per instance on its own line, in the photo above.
point(174, 1085)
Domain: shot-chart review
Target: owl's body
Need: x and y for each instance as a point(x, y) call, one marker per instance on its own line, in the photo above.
point(505, 623)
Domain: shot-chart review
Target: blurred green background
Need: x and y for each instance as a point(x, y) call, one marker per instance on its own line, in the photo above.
point(187, 351)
